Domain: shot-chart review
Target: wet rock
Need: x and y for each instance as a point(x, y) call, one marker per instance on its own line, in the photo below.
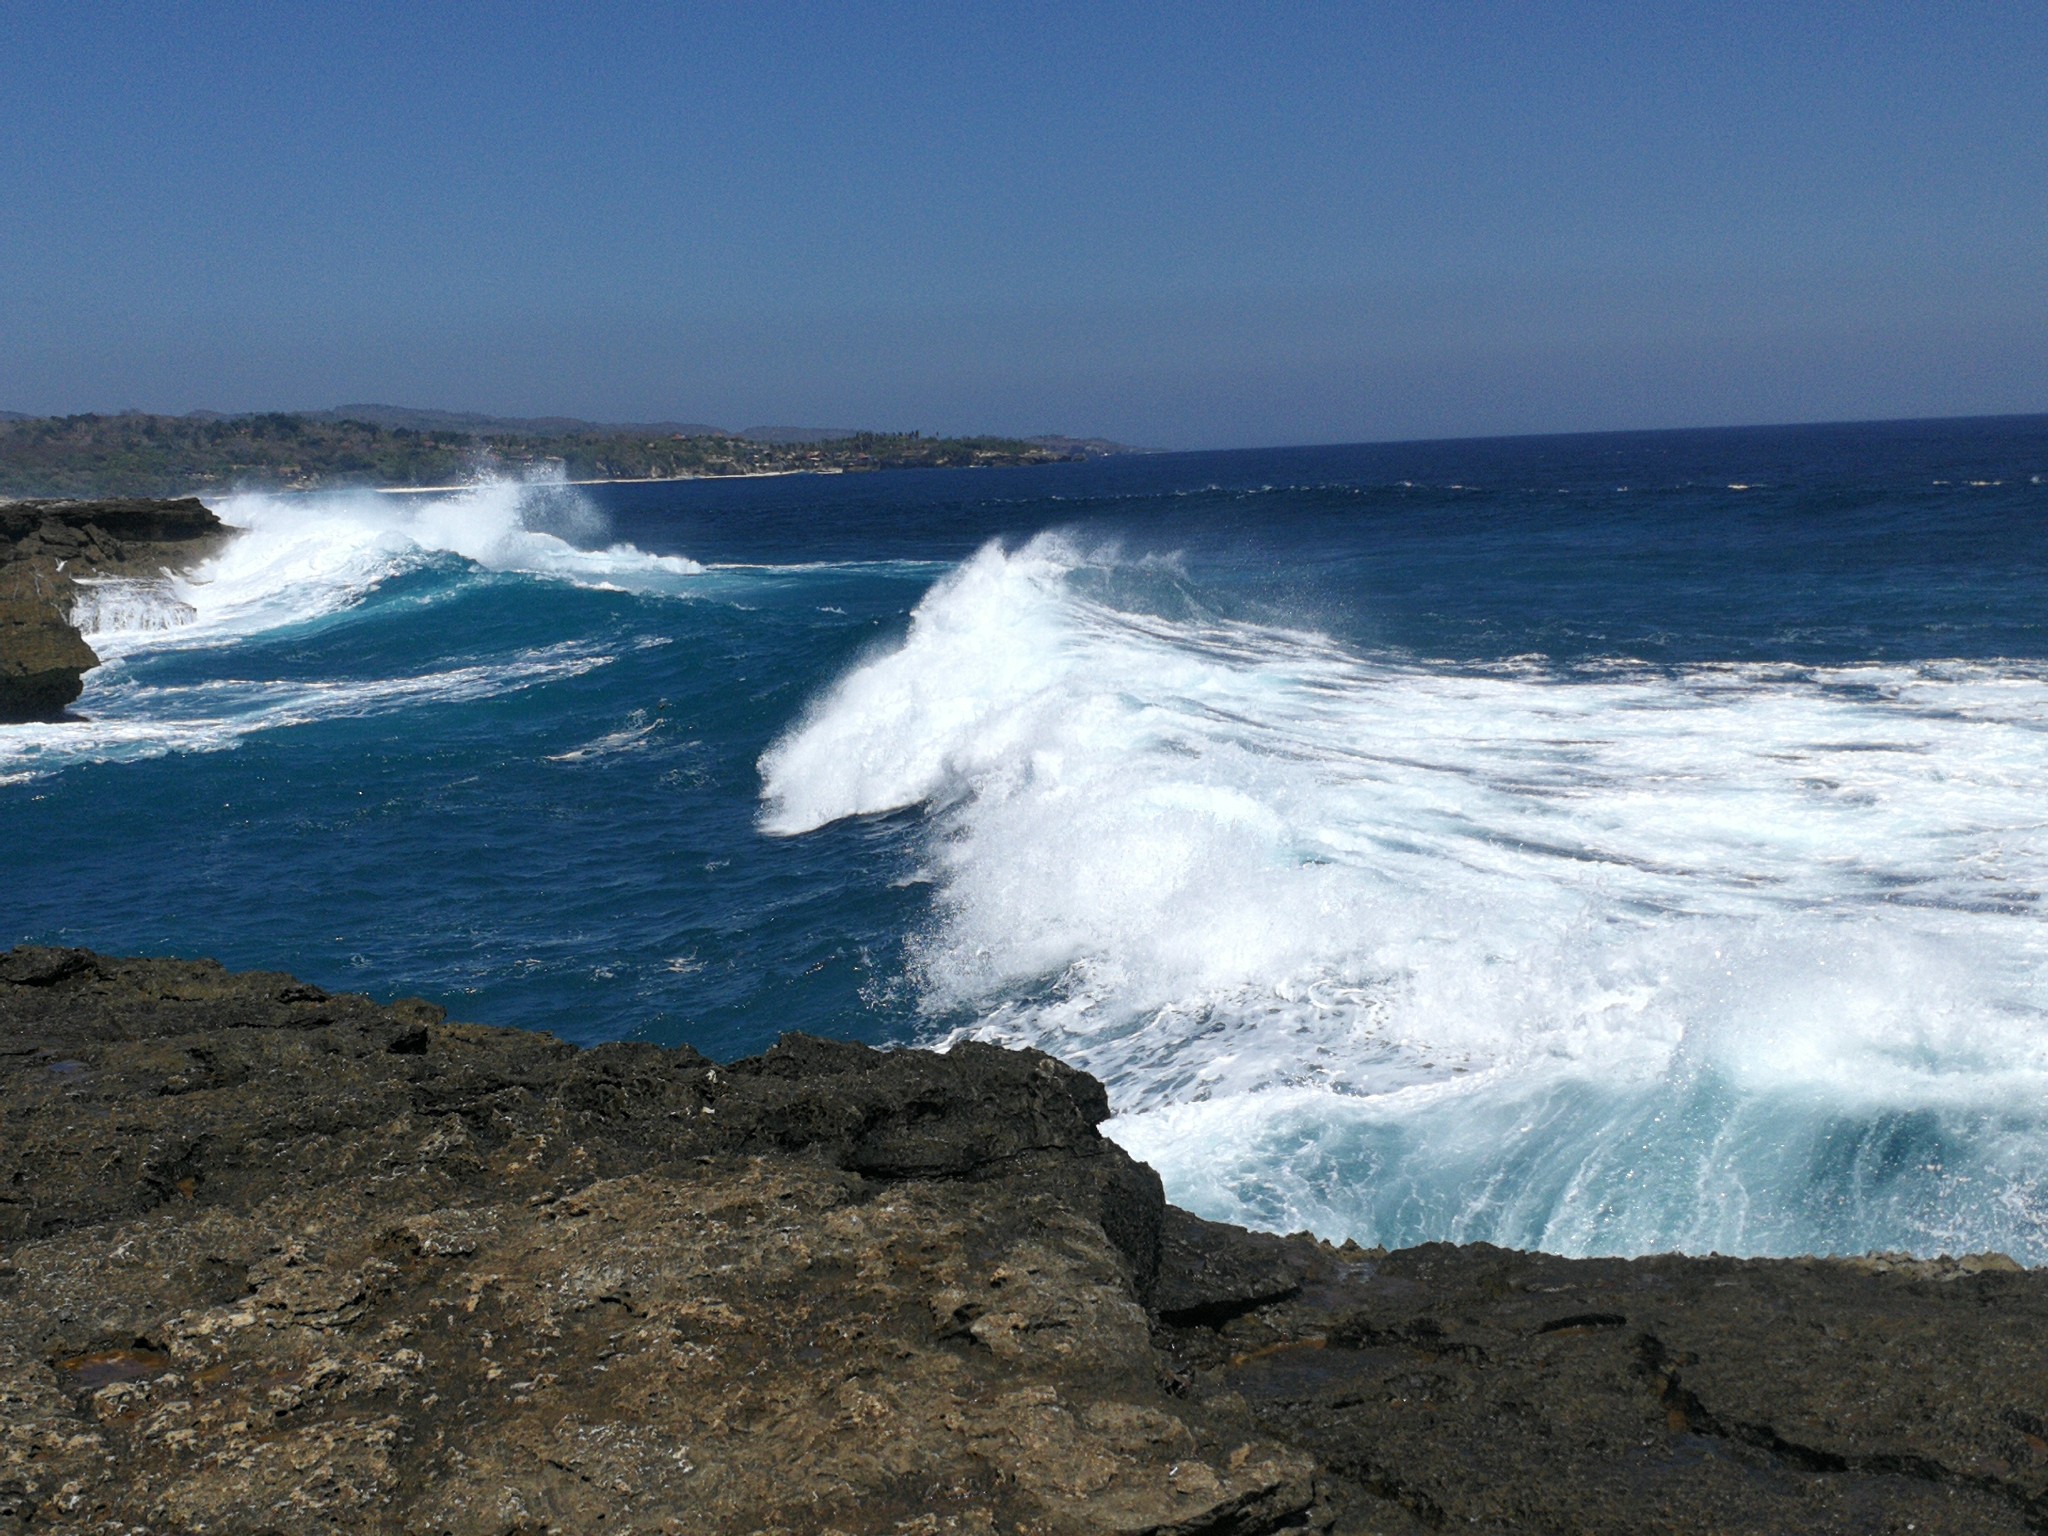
point(275, 1259)
point(43, 660)
point(46, 549)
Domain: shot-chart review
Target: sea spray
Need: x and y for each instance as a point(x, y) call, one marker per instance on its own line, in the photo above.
point(1427, 840)
point(1708, 957)
point(299, 558)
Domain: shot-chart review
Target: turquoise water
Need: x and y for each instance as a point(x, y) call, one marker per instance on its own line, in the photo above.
point(1605, 844)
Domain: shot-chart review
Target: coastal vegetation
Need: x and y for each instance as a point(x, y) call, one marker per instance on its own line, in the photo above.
point(134, 454)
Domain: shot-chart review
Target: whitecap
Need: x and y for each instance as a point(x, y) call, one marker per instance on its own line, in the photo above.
point(631, 737)
point(1737, 957)
point(132, 721)
point(297, 558)
point(302, 556)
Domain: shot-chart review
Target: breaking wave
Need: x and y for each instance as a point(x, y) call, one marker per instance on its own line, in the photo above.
point(1739, 957)
point(299, 557)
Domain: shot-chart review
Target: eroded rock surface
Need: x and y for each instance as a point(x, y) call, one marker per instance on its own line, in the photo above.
point(279, 1260)
point(1475, 1387)
point(274, 1260)
point(46, 549)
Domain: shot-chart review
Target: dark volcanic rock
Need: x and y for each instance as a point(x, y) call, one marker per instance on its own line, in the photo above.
point(46, 547)
point(1476, 1387)
point(275, 1260)
point(122, 521)
point(43, 659)
point(1211, 1273)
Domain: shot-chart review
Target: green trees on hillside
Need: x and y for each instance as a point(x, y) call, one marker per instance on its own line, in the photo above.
point(141, 455)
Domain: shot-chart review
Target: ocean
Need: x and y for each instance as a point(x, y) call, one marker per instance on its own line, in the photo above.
point(1606, 844)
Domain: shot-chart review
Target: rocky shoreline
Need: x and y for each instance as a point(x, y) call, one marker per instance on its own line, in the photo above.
point(47, 548)
point(278, 1260)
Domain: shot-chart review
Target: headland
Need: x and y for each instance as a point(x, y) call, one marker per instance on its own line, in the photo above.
point(50, 551)
point(133, 454)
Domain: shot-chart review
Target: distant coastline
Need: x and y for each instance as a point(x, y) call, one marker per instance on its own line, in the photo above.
point(470, 485)
point(394, 449)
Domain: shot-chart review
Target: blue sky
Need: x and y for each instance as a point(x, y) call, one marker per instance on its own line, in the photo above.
point(1184, 226)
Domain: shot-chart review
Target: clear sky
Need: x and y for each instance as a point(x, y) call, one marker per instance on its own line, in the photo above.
point(1180, 225)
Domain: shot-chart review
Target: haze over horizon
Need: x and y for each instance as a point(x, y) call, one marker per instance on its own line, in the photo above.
point(1206, 229)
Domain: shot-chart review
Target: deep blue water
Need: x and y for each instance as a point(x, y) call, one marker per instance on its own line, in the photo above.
point(1604, 843)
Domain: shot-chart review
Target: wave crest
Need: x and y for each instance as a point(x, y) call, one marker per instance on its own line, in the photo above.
point(299, 557)
point(1730, 957)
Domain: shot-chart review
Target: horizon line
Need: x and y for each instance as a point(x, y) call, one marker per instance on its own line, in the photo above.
point(1366, 442)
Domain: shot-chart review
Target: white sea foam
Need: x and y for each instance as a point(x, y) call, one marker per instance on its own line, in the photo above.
point(1743, 958)
point(633, 737)
point(299, 557)
point(134, 721)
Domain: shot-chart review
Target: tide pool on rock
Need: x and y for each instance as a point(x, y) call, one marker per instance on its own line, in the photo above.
point(1604, 845)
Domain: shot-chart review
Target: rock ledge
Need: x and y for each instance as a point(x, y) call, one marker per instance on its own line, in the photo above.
point(278, 1260)
point(46, 549)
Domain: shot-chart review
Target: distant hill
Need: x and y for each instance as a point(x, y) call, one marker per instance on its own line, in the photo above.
point(796, 434)
point(1082, 447)
point(420, 419)
point(136, 454)
point(470, 424)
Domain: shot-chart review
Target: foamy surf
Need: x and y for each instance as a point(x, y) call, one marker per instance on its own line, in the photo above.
point(298, 558)
point(1744, 958)
point(136, 721)
point(301, 557)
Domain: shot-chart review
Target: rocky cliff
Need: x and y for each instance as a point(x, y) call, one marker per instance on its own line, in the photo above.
point(46, 549)
point(275, 1260)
